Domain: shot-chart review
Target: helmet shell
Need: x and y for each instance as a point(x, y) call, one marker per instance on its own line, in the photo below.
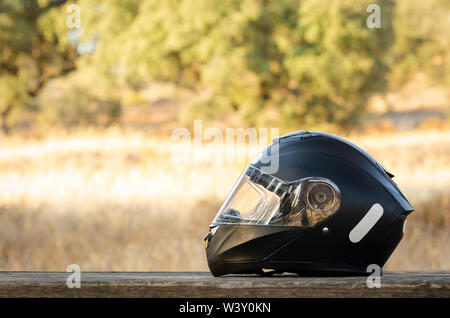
point(325, 248)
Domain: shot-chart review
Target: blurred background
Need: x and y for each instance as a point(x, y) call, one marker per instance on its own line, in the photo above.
point(91, 91)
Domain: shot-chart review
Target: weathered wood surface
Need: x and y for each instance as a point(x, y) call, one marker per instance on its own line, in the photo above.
point(200, 284)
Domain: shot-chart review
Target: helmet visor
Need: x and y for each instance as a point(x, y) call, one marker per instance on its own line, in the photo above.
point(260, 198)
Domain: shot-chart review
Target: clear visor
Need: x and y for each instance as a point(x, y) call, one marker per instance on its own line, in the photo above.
point(260, 198)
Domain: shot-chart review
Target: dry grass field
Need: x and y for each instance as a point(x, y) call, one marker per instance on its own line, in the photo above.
point(114, 200)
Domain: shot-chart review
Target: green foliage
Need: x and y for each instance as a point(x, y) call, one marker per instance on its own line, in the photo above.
point(29, 56)
point(313, 61)
point(82, 98)
point(285, 63)
point(78, 107)
point(422, 41)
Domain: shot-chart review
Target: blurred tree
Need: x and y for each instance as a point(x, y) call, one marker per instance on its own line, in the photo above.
point(422, 41)
point(257, 62)
point(335, 61)
point(82, 98)
point(30, 52)
point(310, 61)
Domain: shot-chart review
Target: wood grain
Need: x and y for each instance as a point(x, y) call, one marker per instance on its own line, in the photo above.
point(202, 284)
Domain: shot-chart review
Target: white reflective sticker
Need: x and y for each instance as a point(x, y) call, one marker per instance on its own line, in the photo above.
point(366, 224)
point(404, 226)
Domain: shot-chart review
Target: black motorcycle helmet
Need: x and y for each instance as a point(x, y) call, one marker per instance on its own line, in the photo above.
point(328, 208)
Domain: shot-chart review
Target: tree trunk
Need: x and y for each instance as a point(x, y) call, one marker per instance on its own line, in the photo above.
point(4, 114)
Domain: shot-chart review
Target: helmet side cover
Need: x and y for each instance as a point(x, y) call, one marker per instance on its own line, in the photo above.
point(362, 182)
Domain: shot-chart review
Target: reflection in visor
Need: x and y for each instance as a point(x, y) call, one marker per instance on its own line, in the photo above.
point(259, 198)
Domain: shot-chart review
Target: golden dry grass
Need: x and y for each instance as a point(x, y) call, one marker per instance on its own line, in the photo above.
point(113, 200)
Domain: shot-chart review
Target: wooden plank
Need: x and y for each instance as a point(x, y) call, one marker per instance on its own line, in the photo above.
point(201, 284)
